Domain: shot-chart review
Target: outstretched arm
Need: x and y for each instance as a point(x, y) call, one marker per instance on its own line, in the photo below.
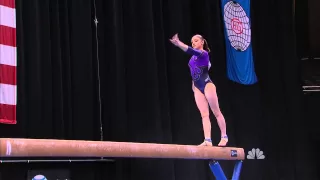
point(175, 40)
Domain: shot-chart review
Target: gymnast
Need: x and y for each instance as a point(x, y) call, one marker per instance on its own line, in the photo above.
point(202, 86)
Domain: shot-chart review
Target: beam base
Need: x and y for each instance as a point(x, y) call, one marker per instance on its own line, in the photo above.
point(219, 174)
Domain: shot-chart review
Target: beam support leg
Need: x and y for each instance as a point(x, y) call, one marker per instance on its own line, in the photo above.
point(219, 174)
point(237, 170)
point(217, 170)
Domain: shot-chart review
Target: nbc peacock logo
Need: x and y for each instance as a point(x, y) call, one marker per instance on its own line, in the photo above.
point(255, 154)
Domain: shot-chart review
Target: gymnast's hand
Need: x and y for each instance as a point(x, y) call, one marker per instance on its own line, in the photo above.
point(175, 40)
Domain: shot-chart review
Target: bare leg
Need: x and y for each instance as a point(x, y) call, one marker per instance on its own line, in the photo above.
point(203, 107)
point(212, 98)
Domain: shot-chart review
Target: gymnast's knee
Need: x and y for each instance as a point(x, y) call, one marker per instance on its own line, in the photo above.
point(205, 115)
point(217, 112)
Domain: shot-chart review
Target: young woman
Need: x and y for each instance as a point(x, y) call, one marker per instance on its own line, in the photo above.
point(203, 88)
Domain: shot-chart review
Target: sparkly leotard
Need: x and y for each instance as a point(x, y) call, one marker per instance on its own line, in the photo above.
point(199, 65)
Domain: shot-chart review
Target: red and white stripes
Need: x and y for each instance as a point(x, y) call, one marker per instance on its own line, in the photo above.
point(8, 62)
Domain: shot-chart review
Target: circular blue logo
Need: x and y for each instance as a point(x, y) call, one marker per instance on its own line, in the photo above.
point(39, 177)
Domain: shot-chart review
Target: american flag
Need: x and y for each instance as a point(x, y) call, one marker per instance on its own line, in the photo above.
point(8, 62)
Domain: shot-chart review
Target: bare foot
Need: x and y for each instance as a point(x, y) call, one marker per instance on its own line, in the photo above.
point(223, 141)
point(206, 143)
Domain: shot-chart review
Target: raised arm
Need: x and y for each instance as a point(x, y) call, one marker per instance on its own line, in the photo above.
point(193, 51)
point(175, 40)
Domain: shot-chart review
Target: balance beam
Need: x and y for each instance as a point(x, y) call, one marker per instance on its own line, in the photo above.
point(13, 147)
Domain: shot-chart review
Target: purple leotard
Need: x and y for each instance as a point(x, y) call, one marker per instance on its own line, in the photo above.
point(199, 65)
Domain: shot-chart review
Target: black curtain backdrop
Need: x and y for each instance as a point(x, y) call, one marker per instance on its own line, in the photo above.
point(302, 26)
point(145, 83)
point(314, 28)
point(307, 28)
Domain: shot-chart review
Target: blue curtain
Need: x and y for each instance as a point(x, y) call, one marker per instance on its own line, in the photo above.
point(237, 32)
